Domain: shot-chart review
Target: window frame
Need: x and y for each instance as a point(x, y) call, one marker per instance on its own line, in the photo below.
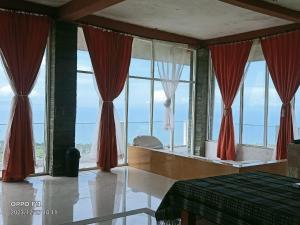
point(152, 79)
point(211, 94)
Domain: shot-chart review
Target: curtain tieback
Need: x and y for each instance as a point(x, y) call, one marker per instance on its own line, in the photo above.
point(168, 102)
point(107, 102)
point(21, 95)
point(226, 111)
point(284, 109)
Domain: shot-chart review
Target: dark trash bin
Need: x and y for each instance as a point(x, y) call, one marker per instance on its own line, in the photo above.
point(72, 162)
point(296, 141)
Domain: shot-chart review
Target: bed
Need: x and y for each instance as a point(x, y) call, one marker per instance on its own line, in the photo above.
point(238, 199)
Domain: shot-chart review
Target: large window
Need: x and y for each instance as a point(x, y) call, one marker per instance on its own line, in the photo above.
point(217, 113)
point(146, 110)
point(37, 98)
point(253, 103)
point(297, 114)
point(256, 108)
point(38, 106)
point(86, 116)
point(274, 107)
point(88, 109)
point(140, 106)
point(6, 95)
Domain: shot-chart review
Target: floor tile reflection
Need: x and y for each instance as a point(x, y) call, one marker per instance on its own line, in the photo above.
point(57, 200)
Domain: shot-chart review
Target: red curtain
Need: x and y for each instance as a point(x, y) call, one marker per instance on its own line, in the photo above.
point(229, 62)
point(22, 42)
point(110, 54)
point(282, 54)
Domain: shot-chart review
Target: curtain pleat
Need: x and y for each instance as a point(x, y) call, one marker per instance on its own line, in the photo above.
point(229, 62)
point(22, 42)
point(110, 54)
point(282, 54)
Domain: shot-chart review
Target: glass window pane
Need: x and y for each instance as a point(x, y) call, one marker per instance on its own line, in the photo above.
point(37, 99)
point(182, 118)
point(83, 61)
point(159, 130)
point(217, 111)
point(138, 108)
point(186, 71)
point(6, 95)
point(236, 116)
point(119, 104)
point(254, 100)
point(86, 118)
point(297, 114)
point(140, 64)
point(274, 108)
point(162, 52)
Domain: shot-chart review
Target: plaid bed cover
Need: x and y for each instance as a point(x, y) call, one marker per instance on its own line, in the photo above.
point(238, 199)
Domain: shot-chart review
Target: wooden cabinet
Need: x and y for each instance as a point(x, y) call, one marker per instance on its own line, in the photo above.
point(180, 167)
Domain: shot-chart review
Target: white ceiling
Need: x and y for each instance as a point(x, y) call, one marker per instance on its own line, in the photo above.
point(291, 4)
point(203, 19)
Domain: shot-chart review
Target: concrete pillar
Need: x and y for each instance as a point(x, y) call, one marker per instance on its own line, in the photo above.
point(61, 94)
point(201, 101)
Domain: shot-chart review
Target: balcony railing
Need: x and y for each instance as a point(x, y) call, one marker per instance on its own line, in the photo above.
point(85, 135)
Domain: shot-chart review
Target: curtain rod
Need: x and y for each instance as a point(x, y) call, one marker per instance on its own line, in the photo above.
point(23, 12)
point(134, 36)
point(258, 37)
point(104, 29)
point(278, 34)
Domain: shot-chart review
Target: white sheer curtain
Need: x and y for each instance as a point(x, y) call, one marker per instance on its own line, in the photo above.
point(169, 61)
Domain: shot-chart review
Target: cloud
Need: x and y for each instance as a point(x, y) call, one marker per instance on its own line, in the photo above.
point(159, 96)
point(34, 93)
point(182, 100)
point(85, 67)
point(274, 99)
point(255, 97)
point(6, 90)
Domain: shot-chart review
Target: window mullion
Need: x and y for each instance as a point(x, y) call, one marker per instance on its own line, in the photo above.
point(266, 107)
point(152, 90)
point(172, 130)
point(126, 118)
point(241, 121)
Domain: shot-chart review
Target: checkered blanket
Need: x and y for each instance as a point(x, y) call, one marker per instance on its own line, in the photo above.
point(238, 199)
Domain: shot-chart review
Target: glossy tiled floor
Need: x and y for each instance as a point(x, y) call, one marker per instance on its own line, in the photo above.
point(94, 194)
